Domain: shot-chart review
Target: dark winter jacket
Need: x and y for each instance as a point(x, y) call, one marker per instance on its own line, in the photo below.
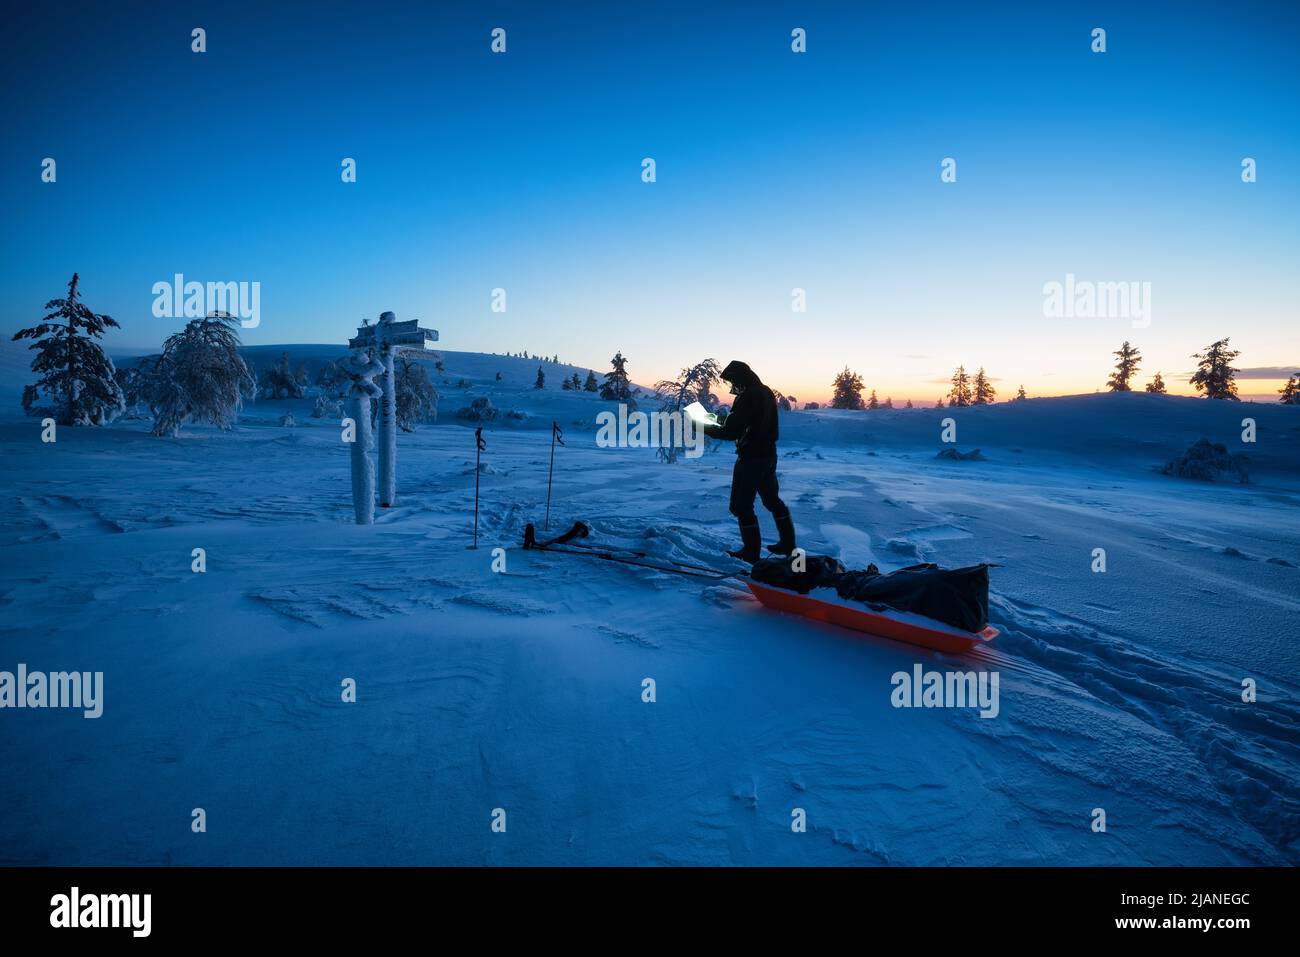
point(752, 424)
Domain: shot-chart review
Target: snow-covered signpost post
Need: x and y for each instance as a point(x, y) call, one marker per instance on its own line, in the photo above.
point(362, 369)
point(384, 340)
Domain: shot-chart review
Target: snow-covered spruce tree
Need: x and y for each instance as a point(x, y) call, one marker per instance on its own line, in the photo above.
point(1129, 359)
point(415, 398)
point(541, 379)
point(566, 385)
point(575, 383)
point(1157, 384)
point(77, 384)
point(848, 390)
point(279, 382)
point(199, 377)
point(939, 404)
point(1290, 393)
point(873, 403)
point(617, 386)
point(782, 401)
point(1020, 394)
point(960, 396)
point(909, 405)
point(676, 394)
point(1214, 374)
point(591, 385)
point(984, 391)
point(888, 403)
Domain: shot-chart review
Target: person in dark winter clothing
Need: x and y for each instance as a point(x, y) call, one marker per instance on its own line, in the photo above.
point(753, 426)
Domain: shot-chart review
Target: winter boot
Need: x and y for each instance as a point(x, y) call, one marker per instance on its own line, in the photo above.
point(751, 544)
point(785, 527)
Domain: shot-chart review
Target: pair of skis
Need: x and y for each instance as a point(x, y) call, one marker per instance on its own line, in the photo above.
point(567, 544)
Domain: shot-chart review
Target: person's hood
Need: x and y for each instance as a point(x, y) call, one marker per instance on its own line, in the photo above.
point(738, 373)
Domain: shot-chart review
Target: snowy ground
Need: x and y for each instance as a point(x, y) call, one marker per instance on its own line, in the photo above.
point(522, 690)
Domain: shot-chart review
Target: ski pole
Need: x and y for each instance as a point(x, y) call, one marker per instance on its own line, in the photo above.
point(479, 446)
point(556, 436)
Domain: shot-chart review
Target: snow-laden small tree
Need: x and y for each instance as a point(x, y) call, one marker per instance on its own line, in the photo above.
point(591, 385)
point(414, 395)
point(280, 382)
point(1129, 359)
point(617, 385)
point(909, 405)
point(888, 403)
point(1290, 393)
point(566, 384)
point(326, 407)
point(1020, 394)
point(1215, 375)
point(333, 380)
point(984, 392)
point(199, 377)
point(1157, 384)
point(873, 403)
point(541, 379)
point(575, 383)
point(960, 395)
point(675, 394)
point(77, 378)
point(939, 404)
point(136, 382)
point(848, 390)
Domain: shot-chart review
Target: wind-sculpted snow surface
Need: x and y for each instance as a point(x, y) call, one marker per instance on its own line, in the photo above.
point(523, 688)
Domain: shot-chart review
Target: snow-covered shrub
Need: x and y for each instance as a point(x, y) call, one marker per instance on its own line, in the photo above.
point(199, 377)
point(288, 420)
point(77, 378)
point(480, 410)
point(1205, 461)
point(280, 382)
point(953, 455)
point(333, 380)
point(326, 408)
point(135, 382)
point(416, 398)
point(812, 405)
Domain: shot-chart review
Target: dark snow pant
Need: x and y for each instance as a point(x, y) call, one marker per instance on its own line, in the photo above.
point(753, 477)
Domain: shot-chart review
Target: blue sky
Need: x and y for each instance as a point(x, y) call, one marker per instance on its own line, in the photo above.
point(775, 170)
